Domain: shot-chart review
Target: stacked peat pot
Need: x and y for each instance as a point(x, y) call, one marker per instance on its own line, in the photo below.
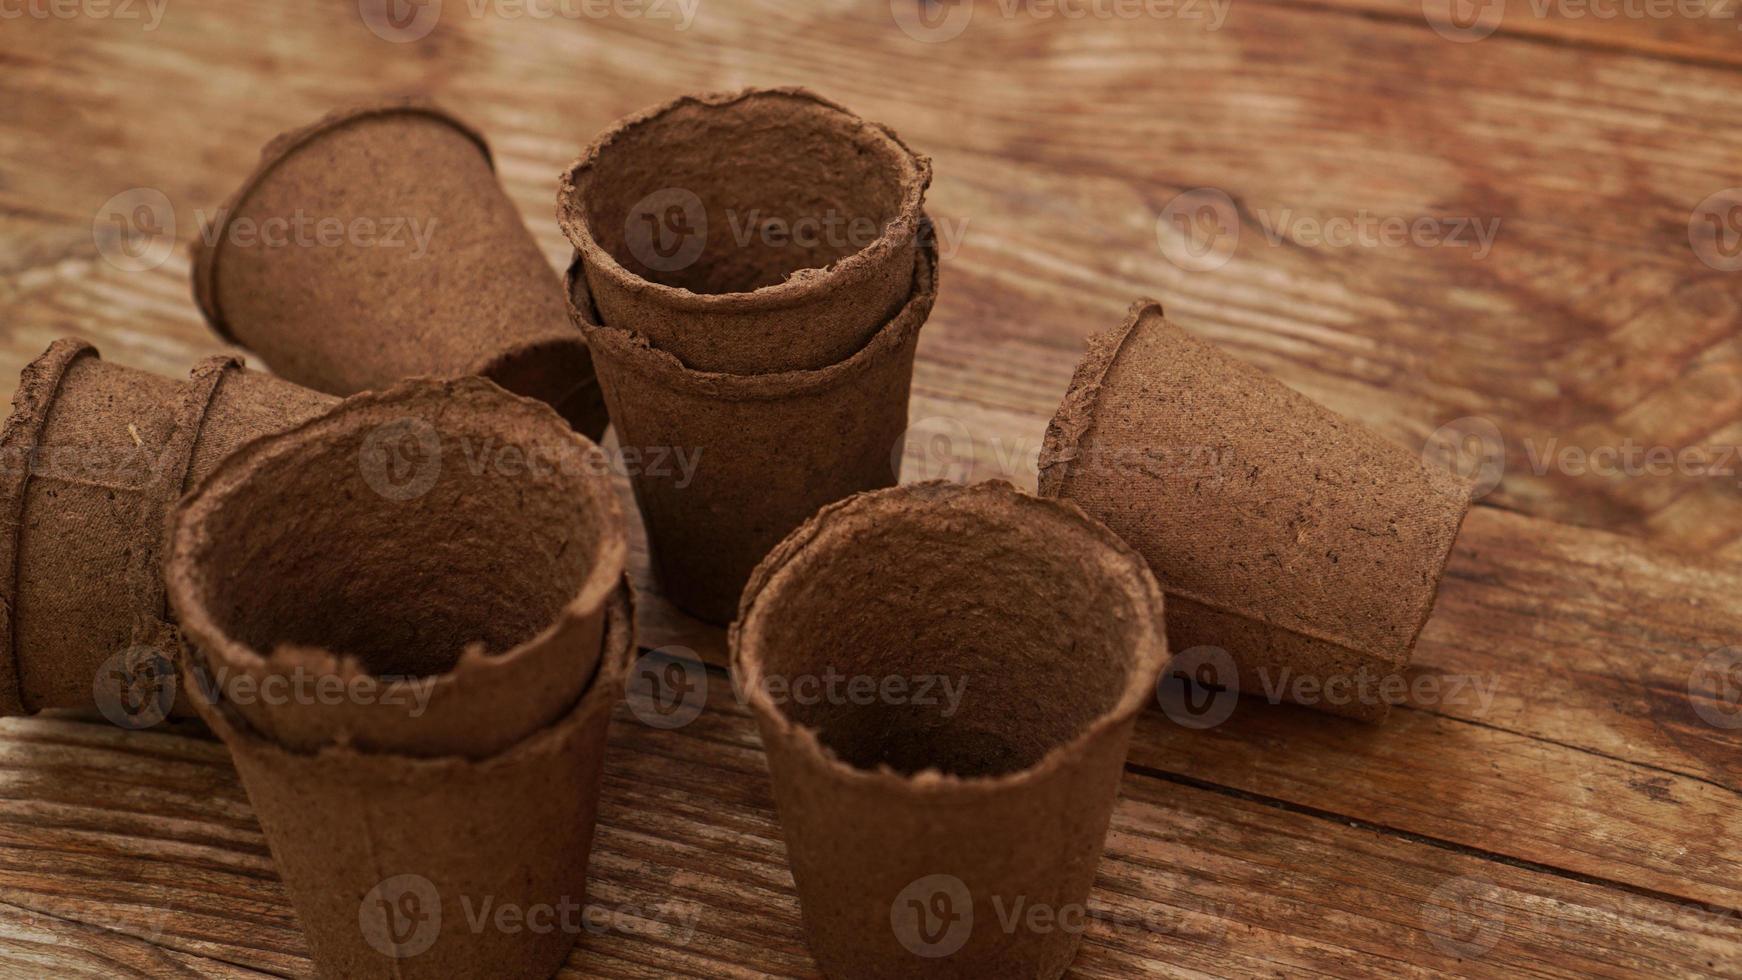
point(92, 459)
point(752, 271)
point(478, 623)
point(407, 615)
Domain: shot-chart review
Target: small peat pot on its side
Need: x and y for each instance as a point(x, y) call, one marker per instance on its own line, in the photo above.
point(424, 868)
point(725, 465)
point(753, 232)
point(92, 459)
point(1300, 543)
point(422, 571)
point(377, 244)
point(946, 679)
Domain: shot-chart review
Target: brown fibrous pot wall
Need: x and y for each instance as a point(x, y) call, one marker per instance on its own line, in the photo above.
point(1051, 628)
point(1302, 544)
point(753, 232)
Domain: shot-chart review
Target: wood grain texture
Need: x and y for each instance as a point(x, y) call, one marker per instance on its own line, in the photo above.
point(1578, 820)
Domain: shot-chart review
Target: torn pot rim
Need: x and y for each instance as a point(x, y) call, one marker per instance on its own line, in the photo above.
point(599, 695)
point(649, 361)
point(188, 583)
point(21, 433)
point(1116, 557)
point(276, 152)
point(799, 287)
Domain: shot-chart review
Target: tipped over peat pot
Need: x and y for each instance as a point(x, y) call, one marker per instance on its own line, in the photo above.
point(1300, 543)
point(431, 580)
point(377, 244)
point(763, 451)
point(914, 823)
point(92, 458)
point(756, 232)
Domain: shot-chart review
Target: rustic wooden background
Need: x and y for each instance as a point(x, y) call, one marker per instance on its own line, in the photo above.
point(1584, 822)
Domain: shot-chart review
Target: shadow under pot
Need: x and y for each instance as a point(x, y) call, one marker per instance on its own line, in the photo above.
point(753, 232)
point(421, 571)
point(946, 679)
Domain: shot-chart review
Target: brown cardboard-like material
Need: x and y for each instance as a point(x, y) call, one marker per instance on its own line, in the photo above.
point(91, 460)
point(444, 548)
point(316, 263)
point(401, 868)
point(1298, 541)
point(913, 829)
point(767, 450)
point(752, 232)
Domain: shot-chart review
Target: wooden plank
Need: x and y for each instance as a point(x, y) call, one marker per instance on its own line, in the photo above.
point(1591, 322)
point(689, 877)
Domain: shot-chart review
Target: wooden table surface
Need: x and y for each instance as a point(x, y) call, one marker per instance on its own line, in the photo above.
point(1514, 222)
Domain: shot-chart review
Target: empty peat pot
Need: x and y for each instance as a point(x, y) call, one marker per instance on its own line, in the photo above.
point(376, 245)
point(725, 465)
point(1299, 542)
point(92, 458)
point(402, 867)
point(422, 571)
point(946, 679)
point(753, 232)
